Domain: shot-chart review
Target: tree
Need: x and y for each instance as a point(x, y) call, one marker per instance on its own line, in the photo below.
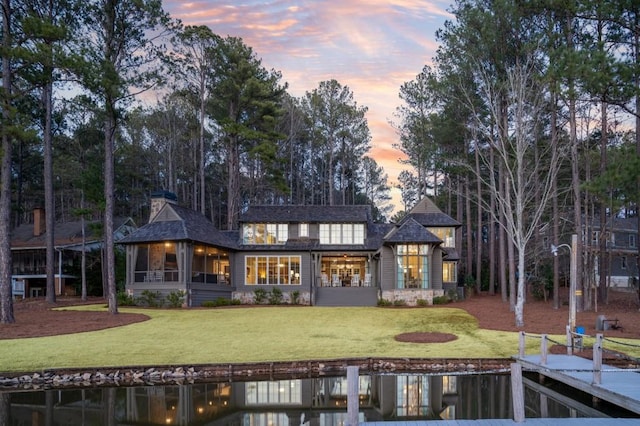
point(375, 188)
point(120, 58)
point(194, 52)
point(523, 178)
point(6, 299)
point(245, 105)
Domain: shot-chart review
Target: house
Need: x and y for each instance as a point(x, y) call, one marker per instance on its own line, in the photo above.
point(28, 252)
point(319, 255)
point(621, 236)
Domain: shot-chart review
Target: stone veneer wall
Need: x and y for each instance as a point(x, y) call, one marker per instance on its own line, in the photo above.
point(247, 297)
point(411, 297)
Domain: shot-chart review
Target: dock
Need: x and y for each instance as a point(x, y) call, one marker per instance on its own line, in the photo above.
point(618, 386)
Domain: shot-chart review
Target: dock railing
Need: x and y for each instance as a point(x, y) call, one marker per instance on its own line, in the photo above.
point(576, 342)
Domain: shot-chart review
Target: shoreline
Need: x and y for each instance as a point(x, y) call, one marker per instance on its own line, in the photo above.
point(67, 378)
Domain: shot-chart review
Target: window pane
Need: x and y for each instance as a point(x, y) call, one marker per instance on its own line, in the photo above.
point(335, 233)
point(294, 265)
point(247, 234)
point(325, 233)
point(273, 271)
point(142, 262)
point(347, 233)
point(303, 230)
point(262, 270)
point(283, 268)
point(283, 233)
point(260, 233)
point(358, 233)
point(251, 271)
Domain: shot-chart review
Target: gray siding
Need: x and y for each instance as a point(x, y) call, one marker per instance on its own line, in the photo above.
point(436, 269)
point(387, 269)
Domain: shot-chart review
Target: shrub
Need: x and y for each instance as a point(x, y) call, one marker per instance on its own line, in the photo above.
point(175, 299)
point(259, 295)
point(453, 294)
point(275, 296)
point(384, 302)
point(209, 304)
point(441, 300)
point(220, 301)
point(295, 297)
point(152, 299)
point(422, 302)
point(125, 299)
point(399, 302)
point(236, 302)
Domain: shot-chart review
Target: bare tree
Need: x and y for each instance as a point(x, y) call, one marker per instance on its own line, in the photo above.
point(519, 205)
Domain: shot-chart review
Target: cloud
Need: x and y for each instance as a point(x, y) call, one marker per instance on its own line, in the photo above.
point(372, 46)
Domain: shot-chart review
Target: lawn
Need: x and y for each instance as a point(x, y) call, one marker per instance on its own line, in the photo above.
point(237, 335)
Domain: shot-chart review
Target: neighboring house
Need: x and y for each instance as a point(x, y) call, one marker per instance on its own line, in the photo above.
point(621, 249)
point(323, 255)
point(28, 251)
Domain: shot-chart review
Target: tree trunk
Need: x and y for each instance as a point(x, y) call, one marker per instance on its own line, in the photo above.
point(6, 298)
point(554, 210)
point(109, 182)
point(603, 260)
point(492, 233)
point(469, 245)
point(478, 224)
point(49, 206)
point(233, 197)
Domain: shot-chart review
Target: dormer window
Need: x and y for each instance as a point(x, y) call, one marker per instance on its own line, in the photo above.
point(303, 230)
point(265, 233)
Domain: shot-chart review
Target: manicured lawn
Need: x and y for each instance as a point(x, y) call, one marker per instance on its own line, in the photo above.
point(210, 336)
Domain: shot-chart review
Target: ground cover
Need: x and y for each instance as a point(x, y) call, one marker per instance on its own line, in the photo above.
point(483, 326)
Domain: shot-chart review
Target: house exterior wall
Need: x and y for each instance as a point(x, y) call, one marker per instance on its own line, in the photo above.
point(245, 293)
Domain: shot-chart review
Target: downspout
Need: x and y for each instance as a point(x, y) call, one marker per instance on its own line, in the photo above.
point(59, 250)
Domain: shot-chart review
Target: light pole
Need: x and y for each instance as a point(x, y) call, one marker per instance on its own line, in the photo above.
point(573, 273)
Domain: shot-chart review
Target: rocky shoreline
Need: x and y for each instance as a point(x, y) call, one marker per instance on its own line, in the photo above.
point(177, 375)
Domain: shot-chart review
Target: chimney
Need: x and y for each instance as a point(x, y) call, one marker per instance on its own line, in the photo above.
point(158, 200)
point(39, 224)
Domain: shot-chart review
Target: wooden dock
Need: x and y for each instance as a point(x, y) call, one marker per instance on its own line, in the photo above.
point(616, 385)
point(505, 422)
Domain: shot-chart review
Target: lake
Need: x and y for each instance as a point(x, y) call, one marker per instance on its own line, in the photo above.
point(295, 401)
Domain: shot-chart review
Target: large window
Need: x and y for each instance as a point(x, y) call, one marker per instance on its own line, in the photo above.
point(413, 266)
point(341, 233)
point(272, 270)
point(210, 265)
point(157, 262)
point(265, 233)
point(447, 235)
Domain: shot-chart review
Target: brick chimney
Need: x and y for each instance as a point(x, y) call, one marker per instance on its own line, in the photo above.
point(158, 200)
point(39, 224)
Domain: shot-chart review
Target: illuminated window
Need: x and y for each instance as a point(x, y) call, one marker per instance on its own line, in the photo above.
point(278, 392)
point(413, 266)
point(272, 270)
point(412, 396)
point(449, 274)
point(447, 235)
point(303, 230)
point(261, 233)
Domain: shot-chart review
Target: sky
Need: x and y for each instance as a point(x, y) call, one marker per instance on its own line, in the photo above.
point(370, 46)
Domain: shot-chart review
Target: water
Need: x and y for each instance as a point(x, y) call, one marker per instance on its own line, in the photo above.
point(310, 401)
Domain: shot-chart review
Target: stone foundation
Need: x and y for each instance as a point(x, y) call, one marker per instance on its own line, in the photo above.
point(248, 298)
point(410, 297)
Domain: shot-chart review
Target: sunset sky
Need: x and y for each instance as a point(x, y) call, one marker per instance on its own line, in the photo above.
point(371, 46)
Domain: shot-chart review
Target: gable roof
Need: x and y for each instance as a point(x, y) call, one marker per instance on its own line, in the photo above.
point(427, 213)
point(176, 223)
point(410, 231)
point(69, 234)
point(307, 214)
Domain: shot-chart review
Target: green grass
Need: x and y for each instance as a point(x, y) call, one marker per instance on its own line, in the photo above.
point(211, 336)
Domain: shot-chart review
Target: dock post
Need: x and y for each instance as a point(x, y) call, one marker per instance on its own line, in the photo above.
point(353, 401)
point(543, 350)
point(597, 360)
point(569, 341)
point(517, 392)
point(521, 345)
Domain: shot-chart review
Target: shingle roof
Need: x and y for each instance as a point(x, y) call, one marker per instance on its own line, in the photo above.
point(411, 231)
point(65, 234)
point(306, 214)
point(191, 226)
point(433, 219)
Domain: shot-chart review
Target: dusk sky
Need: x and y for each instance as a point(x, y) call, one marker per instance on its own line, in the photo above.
point(371, 46)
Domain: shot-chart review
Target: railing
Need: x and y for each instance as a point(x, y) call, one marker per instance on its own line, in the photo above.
point(577, 341)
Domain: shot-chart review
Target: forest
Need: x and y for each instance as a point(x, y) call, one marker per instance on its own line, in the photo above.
point(525, 123)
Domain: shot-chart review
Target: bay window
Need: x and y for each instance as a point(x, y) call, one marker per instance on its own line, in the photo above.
point(412, 264)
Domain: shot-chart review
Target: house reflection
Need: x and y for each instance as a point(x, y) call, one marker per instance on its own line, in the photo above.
point(313, 402)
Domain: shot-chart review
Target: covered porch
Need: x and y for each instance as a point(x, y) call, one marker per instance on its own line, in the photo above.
point(345, 270)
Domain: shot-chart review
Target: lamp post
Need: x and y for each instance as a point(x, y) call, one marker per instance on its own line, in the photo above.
point(573, 273)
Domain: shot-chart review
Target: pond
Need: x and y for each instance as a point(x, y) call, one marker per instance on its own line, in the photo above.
point(292, 401)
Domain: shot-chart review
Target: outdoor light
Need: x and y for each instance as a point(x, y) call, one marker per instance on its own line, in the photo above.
point(573, 290)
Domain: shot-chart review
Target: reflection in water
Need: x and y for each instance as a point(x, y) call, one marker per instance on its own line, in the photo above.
point(318, 401)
